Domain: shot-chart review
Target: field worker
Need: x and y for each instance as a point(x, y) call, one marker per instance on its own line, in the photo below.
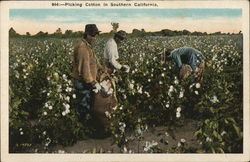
point(111, 53)
point(188, 60)
point(85, 67)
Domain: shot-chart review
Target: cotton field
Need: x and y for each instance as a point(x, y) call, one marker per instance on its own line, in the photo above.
point(42, 95)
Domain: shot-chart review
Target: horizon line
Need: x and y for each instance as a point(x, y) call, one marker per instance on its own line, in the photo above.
point(63, 32)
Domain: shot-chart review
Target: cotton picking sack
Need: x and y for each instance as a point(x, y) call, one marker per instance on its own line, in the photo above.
point(104, 101)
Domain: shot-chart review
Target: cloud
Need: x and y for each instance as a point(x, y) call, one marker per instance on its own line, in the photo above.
point(55, 19)
point(113, 14)
point(34, 27)
point(204, 25)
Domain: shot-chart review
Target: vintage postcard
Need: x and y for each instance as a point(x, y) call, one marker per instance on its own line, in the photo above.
point(125, 81)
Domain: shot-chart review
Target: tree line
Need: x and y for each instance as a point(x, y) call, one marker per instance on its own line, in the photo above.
point(135, 33)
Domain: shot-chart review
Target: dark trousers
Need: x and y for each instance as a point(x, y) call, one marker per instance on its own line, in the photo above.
point(84, 97)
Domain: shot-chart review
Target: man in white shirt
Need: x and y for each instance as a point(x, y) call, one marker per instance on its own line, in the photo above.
point(111, 53)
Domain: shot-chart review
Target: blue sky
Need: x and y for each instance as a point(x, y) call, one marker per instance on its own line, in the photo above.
point(145, 17)
point(81, 15)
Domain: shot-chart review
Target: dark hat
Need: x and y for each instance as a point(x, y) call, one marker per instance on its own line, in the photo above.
point(121, 34)
point(91, 29)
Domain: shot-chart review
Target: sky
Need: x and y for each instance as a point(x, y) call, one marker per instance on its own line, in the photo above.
point(203, 20)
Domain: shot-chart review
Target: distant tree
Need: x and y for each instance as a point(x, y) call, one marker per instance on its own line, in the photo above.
point(77, 34)
point(41, 34)
point(27, 34)
point(143, 32)
point(68, 33)
point(13, 33)
point(167, 32)
point(58, 33)
point(176, 32)
point(137, 33)
point(217, 33)
point(134, 31)
point(115, 26)
point(186, 32)
point(197, 33)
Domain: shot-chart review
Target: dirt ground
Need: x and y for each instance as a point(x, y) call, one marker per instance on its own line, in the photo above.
point(164, 137)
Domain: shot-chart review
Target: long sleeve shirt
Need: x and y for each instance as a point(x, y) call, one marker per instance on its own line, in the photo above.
point(187, 55)
point(85, 63)
point(111, 53)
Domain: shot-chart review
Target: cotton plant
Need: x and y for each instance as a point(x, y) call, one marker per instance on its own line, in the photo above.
point(40, 73)
point(149, 146)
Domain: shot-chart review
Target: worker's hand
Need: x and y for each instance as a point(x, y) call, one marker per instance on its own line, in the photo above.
point(96, 87)
point(202, 65)
point(198, 72)
point(127, 68)
point(123, 69)
point(92, 84)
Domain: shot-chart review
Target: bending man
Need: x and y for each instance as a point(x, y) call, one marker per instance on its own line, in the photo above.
point(188, 60)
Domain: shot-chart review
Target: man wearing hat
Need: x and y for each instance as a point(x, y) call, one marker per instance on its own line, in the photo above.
point(85, 67)
point(111, 53)
point(188, 60)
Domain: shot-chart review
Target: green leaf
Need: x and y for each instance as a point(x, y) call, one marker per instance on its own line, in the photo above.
point(212, 149)
point(220, 150)
point(237, 130)
point(231, 119)
point(215, 134)
point(25, 113)
point(211, 109)
point(197, 133)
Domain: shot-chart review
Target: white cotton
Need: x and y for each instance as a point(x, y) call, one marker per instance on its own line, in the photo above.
point(214, 99)
point(178, 114)
point(50, 107)
point(171, 88)
point(131, 86)
point(197, 85)
point(140, 90)
point(181, 94)
point(67, 98)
